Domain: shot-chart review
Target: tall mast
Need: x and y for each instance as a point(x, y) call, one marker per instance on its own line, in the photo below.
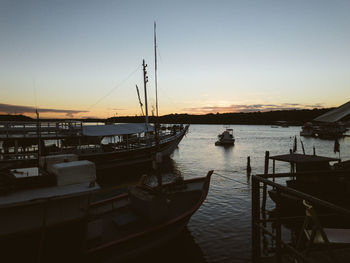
point(155, 66)
point(145, 80)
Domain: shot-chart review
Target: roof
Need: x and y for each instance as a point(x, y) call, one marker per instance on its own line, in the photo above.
point(115, 129)
point(335, 114)
point(301, 158)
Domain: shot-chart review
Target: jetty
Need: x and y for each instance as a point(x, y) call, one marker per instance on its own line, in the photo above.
point(306, 220)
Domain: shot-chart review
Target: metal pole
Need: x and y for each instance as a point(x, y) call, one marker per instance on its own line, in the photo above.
point(145, 80)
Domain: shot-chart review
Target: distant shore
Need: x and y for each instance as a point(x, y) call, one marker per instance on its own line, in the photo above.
point(291, 117)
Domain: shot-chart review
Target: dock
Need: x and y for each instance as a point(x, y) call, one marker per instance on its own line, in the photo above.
point(284, 250)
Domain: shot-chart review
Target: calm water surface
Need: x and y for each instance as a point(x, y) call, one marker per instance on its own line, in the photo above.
point(220, 230)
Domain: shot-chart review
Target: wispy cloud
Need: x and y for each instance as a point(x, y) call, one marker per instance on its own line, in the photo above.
point(250, 108)
point(19, 109)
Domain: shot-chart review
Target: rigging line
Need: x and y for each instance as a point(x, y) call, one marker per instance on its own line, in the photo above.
point(155, 67)
point(112, 90)
point(230, 179)
point(35, 97)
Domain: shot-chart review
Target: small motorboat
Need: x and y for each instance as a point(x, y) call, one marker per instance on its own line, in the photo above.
point(226, 138)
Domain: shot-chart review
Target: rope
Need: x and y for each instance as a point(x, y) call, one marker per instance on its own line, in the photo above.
point(231, 179)
point(112, 90)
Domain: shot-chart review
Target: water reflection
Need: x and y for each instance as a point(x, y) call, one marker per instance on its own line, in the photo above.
point(182, 248)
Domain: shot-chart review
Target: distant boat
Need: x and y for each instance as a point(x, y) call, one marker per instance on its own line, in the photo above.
point(283, 124)
point(226, 138)
point(328, 125)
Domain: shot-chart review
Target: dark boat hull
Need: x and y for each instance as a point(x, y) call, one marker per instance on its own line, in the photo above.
point(67, 242)
point(113, 159)
point(151, 234)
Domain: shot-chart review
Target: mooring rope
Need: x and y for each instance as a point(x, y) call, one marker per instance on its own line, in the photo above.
point(228, 178)
point(116, 87)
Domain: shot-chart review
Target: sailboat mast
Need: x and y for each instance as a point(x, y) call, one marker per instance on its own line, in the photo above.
point(145, 80)
point(155, 66)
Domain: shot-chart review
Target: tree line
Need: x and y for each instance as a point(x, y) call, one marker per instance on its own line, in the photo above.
point(292, 117)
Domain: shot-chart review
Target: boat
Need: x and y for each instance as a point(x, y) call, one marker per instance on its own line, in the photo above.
point(284, 124)
point(308, 130)
point(39, 207)
point(226, 138)
point(60, 215)
point(328, 125)
point(108, 146)
point(143, 218)
point(323, 130)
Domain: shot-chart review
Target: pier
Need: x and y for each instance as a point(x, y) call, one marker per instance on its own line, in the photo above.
point(284, 250)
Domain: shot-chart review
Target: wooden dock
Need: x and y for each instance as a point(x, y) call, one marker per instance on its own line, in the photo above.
point(283, 250)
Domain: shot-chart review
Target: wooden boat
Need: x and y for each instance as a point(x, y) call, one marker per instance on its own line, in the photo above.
point(108, 146)
point(226, 138)
point(143, 218)
point(60, 223)
point(38, 207)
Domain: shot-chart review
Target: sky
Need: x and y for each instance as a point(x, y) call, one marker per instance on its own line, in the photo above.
point(83, 58)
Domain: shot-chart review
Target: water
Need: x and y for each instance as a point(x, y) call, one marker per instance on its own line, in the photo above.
point(220, 230)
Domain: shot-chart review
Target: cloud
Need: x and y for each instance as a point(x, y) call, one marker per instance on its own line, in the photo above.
point(250, 108)
point(18, 109)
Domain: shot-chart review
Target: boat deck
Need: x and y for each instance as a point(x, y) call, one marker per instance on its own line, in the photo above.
point(124, 223)
point(31, 195)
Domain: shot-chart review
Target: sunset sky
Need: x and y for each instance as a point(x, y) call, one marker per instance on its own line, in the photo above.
point(83, 58)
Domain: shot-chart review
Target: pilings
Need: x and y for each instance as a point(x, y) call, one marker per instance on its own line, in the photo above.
point(266, 171)
point(249, 168)
point(256, 250)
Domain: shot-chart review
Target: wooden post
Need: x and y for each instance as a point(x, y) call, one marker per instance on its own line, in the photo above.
point(255, 220)
point(249, 168)
point(291, 164)
point(266, 171)
point(273, 168)
point(278, 229)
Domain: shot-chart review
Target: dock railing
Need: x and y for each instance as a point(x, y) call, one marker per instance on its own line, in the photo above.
point(259, 223)
point(30, 129)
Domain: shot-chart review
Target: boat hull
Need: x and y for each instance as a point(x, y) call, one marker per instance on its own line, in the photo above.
point(114, 158)
point(75, 241)
point(152, 234)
